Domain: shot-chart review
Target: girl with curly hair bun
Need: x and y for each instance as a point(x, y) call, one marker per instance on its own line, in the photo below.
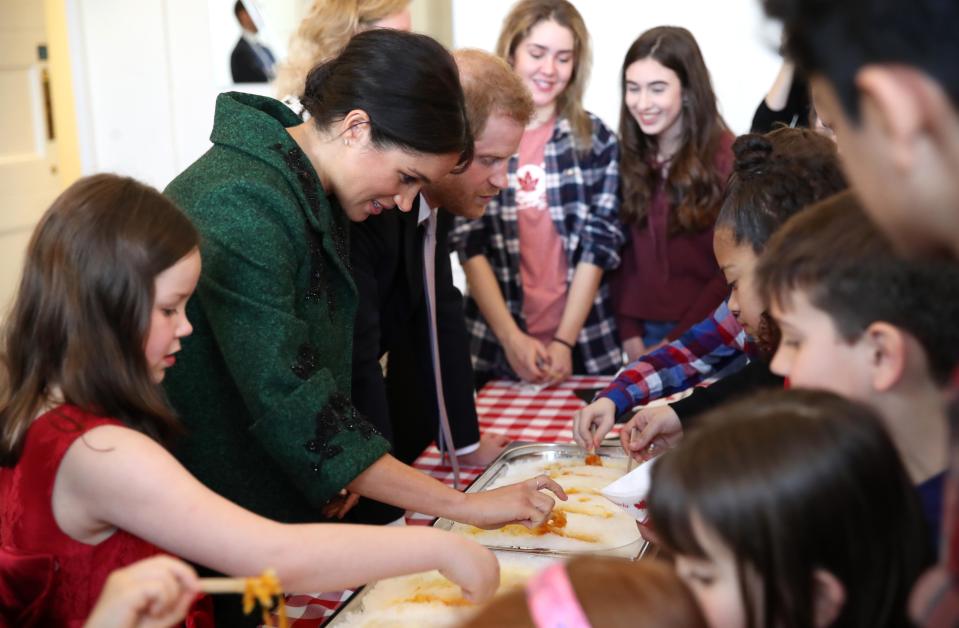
point(775, 176)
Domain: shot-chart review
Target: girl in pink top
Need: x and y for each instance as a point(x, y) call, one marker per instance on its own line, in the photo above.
point(538, 306)
point(676, 157)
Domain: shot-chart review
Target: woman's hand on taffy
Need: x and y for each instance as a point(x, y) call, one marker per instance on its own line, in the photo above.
point(524, 503)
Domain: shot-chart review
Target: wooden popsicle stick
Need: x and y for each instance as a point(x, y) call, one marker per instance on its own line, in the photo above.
point(592, 438)
point(223, 585)
point(630, 461)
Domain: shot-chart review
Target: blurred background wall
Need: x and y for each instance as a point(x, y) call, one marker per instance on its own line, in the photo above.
point(129, 86)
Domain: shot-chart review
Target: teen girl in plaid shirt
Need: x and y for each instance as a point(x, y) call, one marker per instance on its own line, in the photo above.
point(538, 306)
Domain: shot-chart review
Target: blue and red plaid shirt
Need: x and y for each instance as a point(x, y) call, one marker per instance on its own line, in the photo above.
point(582, 190)
point(713, 347)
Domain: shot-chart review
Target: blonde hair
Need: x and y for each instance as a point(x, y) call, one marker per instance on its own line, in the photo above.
point(490, 86)
point(323, 33)
point(526, 14)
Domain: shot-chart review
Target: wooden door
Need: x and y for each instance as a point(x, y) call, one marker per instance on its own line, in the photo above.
point(28, 161)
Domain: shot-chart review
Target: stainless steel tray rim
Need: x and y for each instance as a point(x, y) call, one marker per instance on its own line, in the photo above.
point(549, 452)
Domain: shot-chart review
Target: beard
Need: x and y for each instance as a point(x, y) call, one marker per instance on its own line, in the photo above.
point(458, 200)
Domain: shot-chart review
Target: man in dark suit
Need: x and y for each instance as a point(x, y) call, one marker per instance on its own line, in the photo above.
point(390, 257)
point(251, 61)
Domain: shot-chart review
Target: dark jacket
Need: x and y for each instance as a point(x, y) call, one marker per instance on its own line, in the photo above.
point(387, 257)
point(263, 383)
point(247, 66)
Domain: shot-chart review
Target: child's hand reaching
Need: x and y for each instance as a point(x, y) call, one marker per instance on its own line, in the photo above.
point(593, 422)
point(651, 432)
point(151, 593)
point(473, 567)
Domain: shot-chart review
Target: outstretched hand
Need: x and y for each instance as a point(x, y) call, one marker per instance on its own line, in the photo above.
point(473, 567)
point(524, 503)
point(592, 423)
point(650, 432)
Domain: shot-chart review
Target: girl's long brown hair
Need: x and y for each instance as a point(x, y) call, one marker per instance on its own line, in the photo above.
point(792, 482)
point(82, 312)
point(693, 186)
point(521, 19)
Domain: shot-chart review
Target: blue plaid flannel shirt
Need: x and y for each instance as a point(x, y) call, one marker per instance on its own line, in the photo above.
point(582, 190)
point(716, 346)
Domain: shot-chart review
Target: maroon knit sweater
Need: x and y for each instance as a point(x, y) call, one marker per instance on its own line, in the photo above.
point(669, 278)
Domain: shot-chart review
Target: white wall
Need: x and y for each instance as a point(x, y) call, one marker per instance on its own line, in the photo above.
point(126, 87)
point(738, 43)
point(147, 76)
point(147, 72)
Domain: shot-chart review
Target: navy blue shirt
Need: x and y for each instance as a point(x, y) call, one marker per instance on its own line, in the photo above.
point(930, 496)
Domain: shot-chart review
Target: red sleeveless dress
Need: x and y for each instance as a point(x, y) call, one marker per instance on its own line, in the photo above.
point(46, 577)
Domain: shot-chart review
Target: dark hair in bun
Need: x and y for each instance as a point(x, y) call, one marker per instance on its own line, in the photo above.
point(409, 86)
point(775, 176)
point(752, 152)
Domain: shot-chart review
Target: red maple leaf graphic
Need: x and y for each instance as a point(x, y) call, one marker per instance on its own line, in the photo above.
point(641, 505)
point(527, 183)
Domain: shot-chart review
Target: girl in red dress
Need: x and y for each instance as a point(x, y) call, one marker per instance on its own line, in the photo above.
point(86, 484)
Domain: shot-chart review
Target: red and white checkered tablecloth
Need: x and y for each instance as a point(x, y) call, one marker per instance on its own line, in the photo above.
point(521, 412)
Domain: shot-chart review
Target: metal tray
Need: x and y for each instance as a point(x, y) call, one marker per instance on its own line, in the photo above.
point(355, 601)
point(548, 452)
point(517, 452)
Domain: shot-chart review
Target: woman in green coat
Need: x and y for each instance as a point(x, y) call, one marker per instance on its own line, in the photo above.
point(263, 385)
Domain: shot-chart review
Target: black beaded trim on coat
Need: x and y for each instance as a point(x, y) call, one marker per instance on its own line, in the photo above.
point(338, 415)
point(352, 419)
point(341, 242)
point(306, 362)
point(295, 160)
point(319, 278)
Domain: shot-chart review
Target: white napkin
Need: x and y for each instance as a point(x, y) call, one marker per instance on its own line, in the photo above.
point(629, 492)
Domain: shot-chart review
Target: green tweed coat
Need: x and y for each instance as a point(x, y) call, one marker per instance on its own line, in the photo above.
point(263, 383)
